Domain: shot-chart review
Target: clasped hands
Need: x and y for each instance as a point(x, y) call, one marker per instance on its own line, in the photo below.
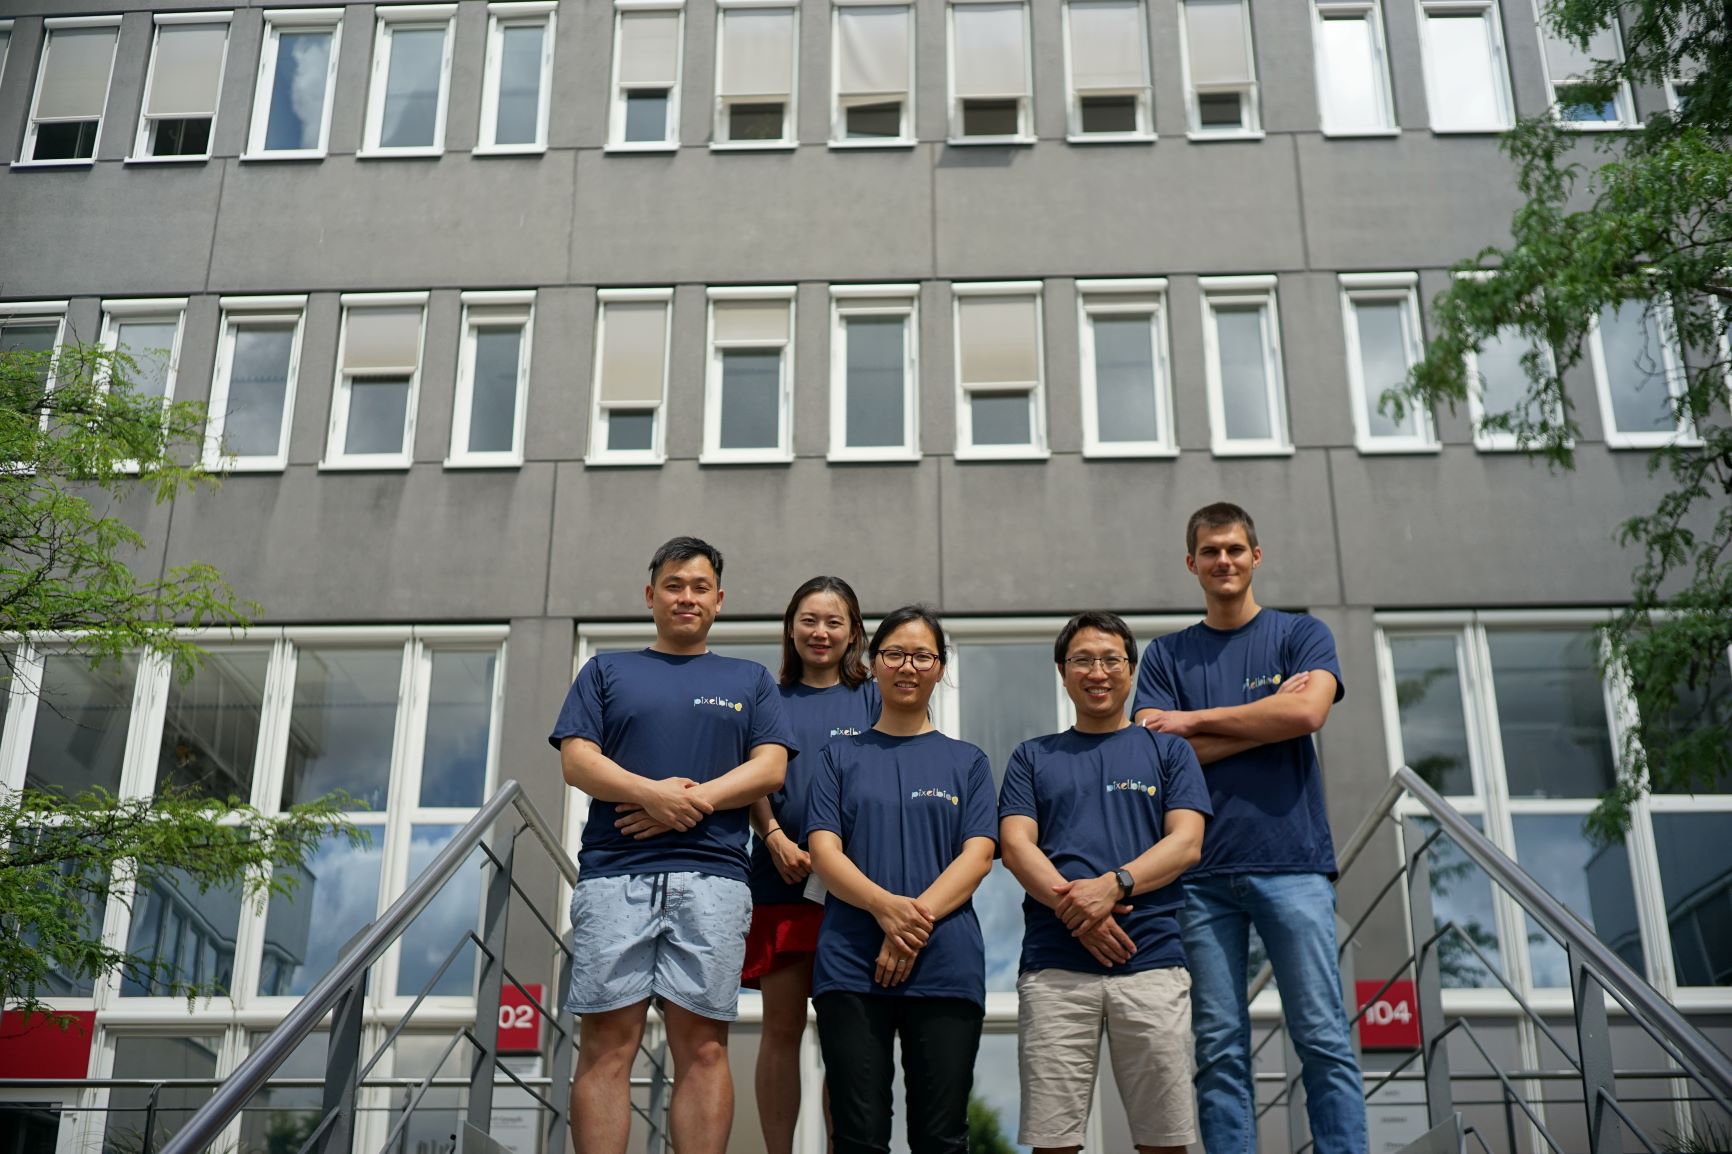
point(1087, 908)
point(669, 804)
point(907, 924)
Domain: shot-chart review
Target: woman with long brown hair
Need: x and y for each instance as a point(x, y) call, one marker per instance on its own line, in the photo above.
point(827, 694)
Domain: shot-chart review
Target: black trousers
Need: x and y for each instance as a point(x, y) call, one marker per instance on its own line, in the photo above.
point(940, 1037)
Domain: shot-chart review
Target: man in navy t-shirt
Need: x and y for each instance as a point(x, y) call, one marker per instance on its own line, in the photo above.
point(672, 744)
point(1097, 823)
point(1247, 687)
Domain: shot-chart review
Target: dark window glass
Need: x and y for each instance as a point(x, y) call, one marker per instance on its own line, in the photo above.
point(343, 725)
point(755, 122)
point(181, 137)
point(378, 415)
point(874, 121)
point(65, 140)
point(1551, 711)
point(82, 715)
point(1109, 114)
point(1001, 419)
point(1593, 881)
point(210, 732)
point(1696, 879)
point(519, 84)
point(646, 116)
point(149, 1058)
point(751, 398)
point(1428, 698)
point(990, 118)
point(630, 430)
point(877, 362)
point(1220, 110)
point(493, 408)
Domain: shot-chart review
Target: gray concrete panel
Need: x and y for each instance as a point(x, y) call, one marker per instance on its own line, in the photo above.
point(198, 343)
point(1469, 528)
point(1415, 201)
point(126, 87)
point(447, 222)
point(561, 375)
point(240, 81)
point(1014, 212)
point(1062, 325)
point(776, 526)
point(937, 396)
point(422, 545)
point(582, 71)
point(468, 64)
point(737, 217)
point(436, 398)
point(111, 228)
point(1406, 62)
point(310, 423)
point(17, 82)
point(1314, 352)
point(1066, 534)
point(1286, 69)
point(354, 68)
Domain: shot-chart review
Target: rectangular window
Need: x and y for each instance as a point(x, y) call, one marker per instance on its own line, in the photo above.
point(182, 87)
point(1242, 347)
point(1466, 77)
point(378, 375)
point(1381, 315)
point(1220, 70)
point(631, 377)
point(873, 75)
point(1568, 67)
point(747, 410)
point(646, 71)
point(253, 388)
point(148, 334)
point(1353, 92)
point(1000, 373)
point(411, 75)
point(5, 45)
point(492, 379)
point(1109, 70)
point(32, 327)
point(756, 50)
point(990, 79)
point(1639, 376)
point(515, 94)
point(71, 89)
point(874, 373)
point(297, 72)
point(1498, 388)
point(1126, 383)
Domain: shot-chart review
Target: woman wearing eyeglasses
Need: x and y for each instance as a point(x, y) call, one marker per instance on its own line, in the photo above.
point(827, 693)
point(902, 826)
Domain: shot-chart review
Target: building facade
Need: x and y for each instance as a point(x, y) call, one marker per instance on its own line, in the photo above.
point(970, 302)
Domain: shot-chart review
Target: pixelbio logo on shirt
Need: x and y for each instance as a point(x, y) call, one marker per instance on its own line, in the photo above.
point(721, 702)
point(1129, 785)
point(1259, 682)
point(844, 731)
point(941, 794)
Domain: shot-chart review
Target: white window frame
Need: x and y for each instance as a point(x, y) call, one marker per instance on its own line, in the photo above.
point(878, 300)
point(391, 18)
point(670, 142)
point(1024, 133)
point(29, 312)
point(341, 395)
point(1675, 88)
point(1671, 364)
point(1371, 11)
point(50, 26)
point(599, 453)
point(783, 452)
point(161, 309)
point(1145, 130)
point(839, 104)
point(516, 14)
point(1250, 95)
point(1492, 802)
point(1492, 14)
point(1622, 98)
point(6, 48)
point(1384, 288)
point(966, 449)
point(141, 142)
point(276, 22)
point(719, 139)
point(1240, 291)
point(1484, 440)
point(237, 312)
point(1108, 298)
point(461, 456)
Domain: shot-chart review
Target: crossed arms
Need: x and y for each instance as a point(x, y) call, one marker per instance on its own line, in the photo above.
point(1299, 708)
point(648, 807)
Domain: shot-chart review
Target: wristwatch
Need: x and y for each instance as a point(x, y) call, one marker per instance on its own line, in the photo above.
point(1127, 883)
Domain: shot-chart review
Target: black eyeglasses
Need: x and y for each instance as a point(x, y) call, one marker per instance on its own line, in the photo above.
point(897, 658)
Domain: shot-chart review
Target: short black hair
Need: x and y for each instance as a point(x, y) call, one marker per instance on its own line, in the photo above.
point(684, 549)
point(907, 615)
point(1094, 619)
point(1220, 515)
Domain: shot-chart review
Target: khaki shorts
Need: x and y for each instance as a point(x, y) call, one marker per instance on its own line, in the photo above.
point(1147, 1017)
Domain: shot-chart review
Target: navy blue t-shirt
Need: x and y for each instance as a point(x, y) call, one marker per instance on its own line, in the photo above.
point(1269, 814)
point(662, 716)
point(902, 806)
point(818, 717)
point(1101, 800)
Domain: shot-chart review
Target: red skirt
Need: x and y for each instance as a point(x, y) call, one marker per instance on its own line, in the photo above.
point(781, 935)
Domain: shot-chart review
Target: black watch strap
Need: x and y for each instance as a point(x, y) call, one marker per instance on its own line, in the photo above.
point(1127, 883)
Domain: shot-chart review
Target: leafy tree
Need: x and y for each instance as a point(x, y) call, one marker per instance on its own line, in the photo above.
point(76, 433)
point(986, 1129)
point(1641, 219)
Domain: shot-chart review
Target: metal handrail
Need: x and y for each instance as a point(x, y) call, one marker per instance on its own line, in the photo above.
point(362, 953)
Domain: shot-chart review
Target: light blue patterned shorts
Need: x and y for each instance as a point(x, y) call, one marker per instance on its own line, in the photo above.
point(678, 936)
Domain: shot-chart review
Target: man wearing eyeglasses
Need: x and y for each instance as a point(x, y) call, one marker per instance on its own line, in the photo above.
point(1097, 823)
point(1247, 687)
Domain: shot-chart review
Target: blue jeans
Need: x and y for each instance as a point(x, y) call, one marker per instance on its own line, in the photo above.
point(1295, 916)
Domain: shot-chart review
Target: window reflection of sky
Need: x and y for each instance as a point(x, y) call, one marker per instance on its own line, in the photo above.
point(1461, 893)
point(1696, 880)
point(298, 90)
point(1551, 712)
point(454, 763)
point(1593, 883)
point(450, 915)
point(340, 885)
point(1428, 696)
point(343, 725)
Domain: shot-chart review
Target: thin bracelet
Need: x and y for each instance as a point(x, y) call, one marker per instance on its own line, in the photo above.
point(771, 830)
